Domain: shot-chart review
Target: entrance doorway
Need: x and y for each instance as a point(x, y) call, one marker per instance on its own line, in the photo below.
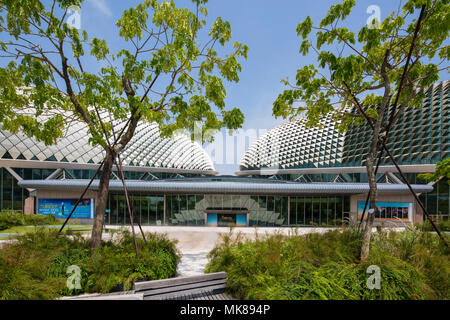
point(226, 218)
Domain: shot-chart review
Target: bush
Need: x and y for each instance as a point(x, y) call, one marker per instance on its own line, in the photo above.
point(443, 225)
point(9, 219)
point(414, 265)
point(35, 267)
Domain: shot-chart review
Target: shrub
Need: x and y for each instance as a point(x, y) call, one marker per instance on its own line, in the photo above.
point(35, 267)
point(9, 219)
point(443, 225)
point(414, 265)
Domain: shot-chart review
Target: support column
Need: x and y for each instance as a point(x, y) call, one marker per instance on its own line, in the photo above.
point(164, 215)
point(28, 208)
point(289, 211)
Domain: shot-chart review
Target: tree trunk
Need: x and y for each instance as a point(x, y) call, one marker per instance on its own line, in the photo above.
point(365, 247)
point(101, 199)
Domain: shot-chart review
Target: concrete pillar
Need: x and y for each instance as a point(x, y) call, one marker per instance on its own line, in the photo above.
point(28, 207)
point(417, 215)
point(164, 215)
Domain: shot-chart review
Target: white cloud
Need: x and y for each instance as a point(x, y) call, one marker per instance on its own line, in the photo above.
point(102, 6)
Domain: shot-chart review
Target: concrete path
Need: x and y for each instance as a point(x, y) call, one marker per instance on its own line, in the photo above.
point(196, 242)
point(192, 264)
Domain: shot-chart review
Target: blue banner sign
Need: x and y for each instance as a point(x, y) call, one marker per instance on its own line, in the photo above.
point(61, 208)
point(388, 210)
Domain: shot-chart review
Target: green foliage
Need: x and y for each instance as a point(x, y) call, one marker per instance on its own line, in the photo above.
point(442, 170)
point(9, 219)
point(36, 266)
point(161, 49)
point(363, 68)
point(414, 265)
point(443, 225)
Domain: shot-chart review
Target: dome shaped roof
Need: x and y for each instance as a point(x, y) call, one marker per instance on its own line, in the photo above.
point(146, 149)
point(420, 136)
point(292, 145)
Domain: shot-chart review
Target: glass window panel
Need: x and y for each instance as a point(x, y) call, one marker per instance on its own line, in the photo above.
point(262, 220)
point(308, 210)
point(346, 214)
point(330, 211)
point(121, 209)
point(316, 210)
point(153, 208)
point(28, 174)
point(270, 203)
point(323, 211)
point(284, 211)
point(114, 207)
point(7, 190)
point(339, 208)
point(227, 201)
point(160, 209)
point(37, 174)
point(183, 202)
point(169, 210)
point(293, 211)
point(136, 198)
point(236, 200)
point(262, 202)
point(300, 211)
point(17, 196)
point(144, 210)
point(191, 202)
point(199, 197)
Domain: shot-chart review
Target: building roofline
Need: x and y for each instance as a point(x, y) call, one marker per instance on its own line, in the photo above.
point(413, 168)
point(36, 164)
point(226, 187)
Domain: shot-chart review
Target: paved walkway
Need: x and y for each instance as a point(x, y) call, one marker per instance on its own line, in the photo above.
point(196, 242)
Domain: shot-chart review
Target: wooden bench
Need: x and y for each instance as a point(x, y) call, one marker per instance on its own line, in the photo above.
point(203, 287)
point(125, 295)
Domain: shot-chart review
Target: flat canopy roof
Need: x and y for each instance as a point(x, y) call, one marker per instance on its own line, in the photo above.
point(186, 186)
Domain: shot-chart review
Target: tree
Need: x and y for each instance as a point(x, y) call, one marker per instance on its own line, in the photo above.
point(388, 63)
point(442, 171)
point(163, 74)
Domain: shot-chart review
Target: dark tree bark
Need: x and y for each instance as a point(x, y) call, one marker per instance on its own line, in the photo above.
point(365, 247)
point(102, 194)
point(101, 200)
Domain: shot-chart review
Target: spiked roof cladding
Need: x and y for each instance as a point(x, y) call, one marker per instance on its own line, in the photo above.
point(211, 186)
point(420, 136)
point(146, 149)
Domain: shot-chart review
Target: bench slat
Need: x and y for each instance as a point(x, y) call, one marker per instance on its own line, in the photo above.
point(211, 290)
point(181, 288)
point(109, 297)
point(145, 285)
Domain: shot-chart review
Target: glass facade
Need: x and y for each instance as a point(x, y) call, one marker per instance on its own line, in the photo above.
point(149, 209)
point(437, 202)
point(319, 211)
point(262, 211)
point(12, 197)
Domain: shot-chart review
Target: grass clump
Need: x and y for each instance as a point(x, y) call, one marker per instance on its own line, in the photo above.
point(443, 225)
point(9, 219)
point(36, 266)
point(413, 265)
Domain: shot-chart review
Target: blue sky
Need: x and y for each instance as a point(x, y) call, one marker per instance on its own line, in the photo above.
point(267, 27)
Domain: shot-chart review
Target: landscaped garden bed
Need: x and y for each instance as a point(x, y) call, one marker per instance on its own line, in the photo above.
point(413, 265)
point(35, 267)
point(13, 224)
